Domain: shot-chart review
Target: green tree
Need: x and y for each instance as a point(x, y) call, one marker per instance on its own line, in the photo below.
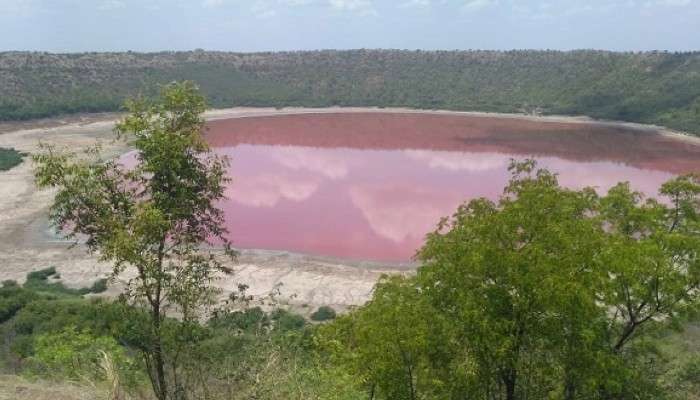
point(546, 293)
point(394, 344)
point(549, 286)
point(153, 217)
point(513, 276)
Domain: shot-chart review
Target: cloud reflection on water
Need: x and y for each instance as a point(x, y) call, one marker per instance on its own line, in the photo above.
point(375, 204)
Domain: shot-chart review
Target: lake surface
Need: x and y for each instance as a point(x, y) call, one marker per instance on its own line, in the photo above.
point(369, 186)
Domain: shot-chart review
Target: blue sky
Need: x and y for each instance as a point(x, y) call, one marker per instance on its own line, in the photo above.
point(261, 25)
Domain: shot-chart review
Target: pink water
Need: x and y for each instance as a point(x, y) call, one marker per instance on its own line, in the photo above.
point(370, 186)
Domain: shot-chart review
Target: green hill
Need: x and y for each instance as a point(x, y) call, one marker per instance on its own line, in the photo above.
point(651, 87)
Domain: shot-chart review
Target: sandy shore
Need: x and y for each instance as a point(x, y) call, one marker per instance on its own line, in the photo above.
point(306, 282)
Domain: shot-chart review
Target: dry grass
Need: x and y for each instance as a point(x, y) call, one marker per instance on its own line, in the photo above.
point(13, 387)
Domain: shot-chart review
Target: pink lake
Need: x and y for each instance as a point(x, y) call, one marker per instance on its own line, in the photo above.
point(369, 186)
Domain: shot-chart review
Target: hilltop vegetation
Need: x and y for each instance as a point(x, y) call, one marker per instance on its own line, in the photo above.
point(653, 87)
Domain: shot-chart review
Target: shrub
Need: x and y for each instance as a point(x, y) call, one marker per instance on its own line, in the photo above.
point(76, 354)
point(39, 281)
point(10, 158)
point(287, 321)
point(252, 319)
point(41, 275)
point(12, 299)
point(99, 286)
point(323, 313)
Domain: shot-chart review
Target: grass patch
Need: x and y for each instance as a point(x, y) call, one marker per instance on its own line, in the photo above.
point(10, 158)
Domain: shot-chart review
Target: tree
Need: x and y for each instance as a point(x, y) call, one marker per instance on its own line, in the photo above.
point(154, 217)
point(651, 255)
point(546, 293)
point(550, 286)
point(394, 344)
point(514, 277)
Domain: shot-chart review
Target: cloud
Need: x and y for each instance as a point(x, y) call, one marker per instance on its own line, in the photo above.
point(263, 10)
point(416, 4)
point(459, 161)
point(401, 212)
point(109, 5)
point(296, 2)
point(266, 190)
point(552, 10)
point(212, 3)
point(269, 8)
point(363, 7)
point(674, 2)
point(470, 6)
point(18, 8)
point(309, 159)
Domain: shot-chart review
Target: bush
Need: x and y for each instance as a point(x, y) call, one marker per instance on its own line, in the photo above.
point(12, 299)
point(76, 354)
point(39, 281)
point(323, 313)
point(41, 275)
point(99, 286)
point(251, 320)
point(286, 321)
point(10, 158)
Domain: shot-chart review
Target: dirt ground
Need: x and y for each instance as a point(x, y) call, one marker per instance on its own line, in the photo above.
point(27, 243)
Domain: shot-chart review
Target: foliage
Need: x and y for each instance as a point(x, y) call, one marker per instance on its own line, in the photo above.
point(649, 87)
point(546, 293)
point(39, 281)
point(99, 286)
point(235, 355)
point(10, 158)
point(78, 355)
point(12, 299)
point(393, 345)
point(324, 313)
point(154, 217)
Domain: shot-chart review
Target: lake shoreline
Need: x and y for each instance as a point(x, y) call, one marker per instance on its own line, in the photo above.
point(308, 280)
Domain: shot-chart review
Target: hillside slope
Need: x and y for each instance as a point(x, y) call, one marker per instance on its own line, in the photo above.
point(653, 87)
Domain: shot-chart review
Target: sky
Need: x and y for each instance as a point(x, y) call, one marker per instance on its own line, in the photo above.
point(274, 25)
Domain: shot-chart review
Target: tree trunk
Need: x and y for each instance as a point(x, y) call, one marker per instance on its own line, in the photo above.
point(156, 319)
point(161, 391)
point(569, 390)
point(509, 380)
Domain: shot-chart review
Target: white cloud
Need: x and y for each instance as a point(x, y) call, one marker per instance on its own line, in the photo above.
point(674, 2)
point(399, 213)
point(416, 4)
point(263, 10)
point(212, 3)
point(364, 7)
point(266, 190)
point(477, 5)
point(552, 10)
point(305, 158)
point(269, 8)
point(18, 8)
point(459, 161)
point(296, 2)
point(109, 5)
